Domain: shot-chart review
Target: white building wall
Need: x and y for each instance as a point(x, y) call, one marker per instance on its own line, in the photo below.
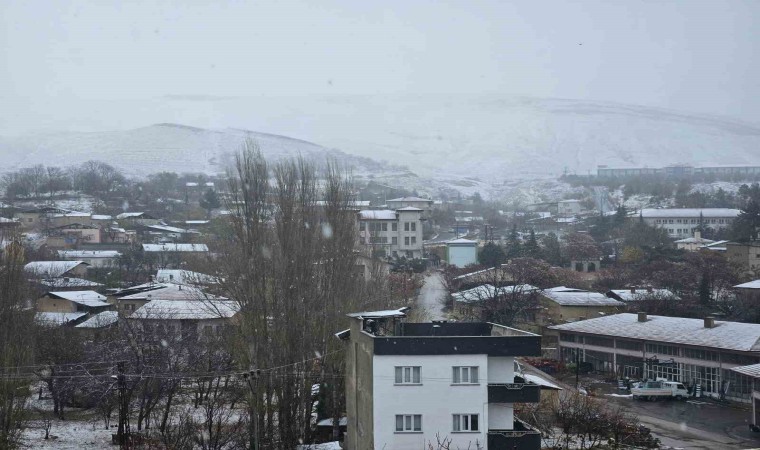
point(463, 256)
point(436, 399)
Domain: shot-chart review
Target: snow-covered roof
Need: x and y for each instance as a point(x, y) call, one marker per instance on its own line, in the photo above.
point(67, 254)
point(650, 213)
point(175, 247)
point(693, 240)
point(184, 277)
point(461, 241)
point(627, 296)
point(751, 370)
point(755, 284)
point(676, 330)
point(334, 445)
point(6, 220)
point(56, 318)
point(410, 199)
point(129, 215)
point(67, 282)
point(350, 203)
point(577, 297)
point(166, 228)
point(409, 208)
point(191, 184)
point(197, 222)
point(87, 298)
point(488, 291)
point(401, 312)
point(377, 214)
point(186, 310)
point(343, 421)
point(51, 269)
point(544, 383)
point(101, 217)
point(100, 320)
point(168, 291)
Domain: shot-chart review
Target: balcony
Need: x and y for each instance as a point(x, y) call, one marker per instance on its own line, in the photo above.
point(517, 392)
point(522, 437)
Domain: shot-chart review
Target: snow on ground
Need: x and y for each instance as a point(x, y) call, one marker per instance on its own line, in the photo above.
point(711, 188)
point(68, 435)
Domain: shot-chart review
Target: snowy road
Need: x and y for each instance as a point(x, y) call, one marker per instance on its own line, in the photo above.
point(432, 295)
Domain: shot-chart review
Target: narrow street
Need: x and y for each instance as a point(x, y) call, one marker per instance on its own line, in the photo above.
point(432, 296)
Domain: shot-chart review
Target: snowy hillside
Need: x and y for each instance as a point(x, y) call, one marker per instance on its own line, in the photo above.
point(467, 142)
point(163, 146)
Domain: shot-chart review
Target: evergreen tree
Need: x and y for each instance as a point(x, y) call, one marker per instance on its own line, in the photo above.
point(621, 215)
point(491, 255)
point(209, 201)
point(531, 248)
point(704, 290)
point(514, 247)
point(746, 226)
point(552, 250)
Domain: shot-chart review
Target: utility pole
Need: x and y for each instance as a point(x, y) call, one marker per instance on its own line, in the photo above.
point(122, 434)
point(252, 378)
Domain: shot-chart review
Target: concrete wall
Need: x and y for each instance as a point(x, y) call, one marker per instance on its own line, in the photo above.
point(436, 399)
point(359, 389)
point(47, 304)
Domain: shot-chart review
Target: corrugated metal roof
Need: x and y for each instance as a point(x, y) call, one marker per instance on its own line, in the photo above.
point(752, 370)
point(87, 298)
point(750, 285)
point(676, 330)
point(51, 269)
point(100, 320)
point(56, 318)
point(186, 310)
point(175, 247)
point(649, 213)
point(401, 312)
point(576, 297)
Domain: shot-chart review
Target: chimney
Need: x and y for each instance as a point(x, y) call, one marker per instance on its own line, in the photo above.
point(709, 322)
point(633, 290)
point(642, 317)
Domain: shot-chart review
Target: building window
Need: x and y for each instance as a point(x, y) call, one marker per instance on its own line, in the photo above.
point(414, 240)
point(465, 375)
point(394, 226)
point(406, 423)
point(394, 240)
point(414, 226)
point(385, 226)
point(406, 240)
point(408, 375)
point(466, 422)
point(406, 226)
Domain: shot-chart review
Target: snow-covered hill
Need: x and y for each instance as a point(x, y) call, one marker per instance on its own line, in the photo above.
point(468, 142)
point(164, 146)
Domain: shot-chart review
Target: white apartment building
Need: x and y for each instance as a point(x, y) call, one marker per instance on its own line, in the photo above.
point(392, 232)
point(682, 222)
point(410, 384)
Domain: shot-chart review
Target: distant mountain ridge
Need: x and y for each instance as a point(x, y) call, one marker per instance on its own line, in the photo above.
point(466, 142)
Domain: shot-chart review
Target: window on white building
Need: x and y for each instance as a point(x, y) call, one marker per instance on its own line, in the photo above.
point(408, 423)
point(466, 422)
point(394, 240)
point(406, 240)
point(414, 240)
point(414, 226)
point(394, 226)
point(385, 226)
point(408, 374)
point(406, 226)
point(465, 375)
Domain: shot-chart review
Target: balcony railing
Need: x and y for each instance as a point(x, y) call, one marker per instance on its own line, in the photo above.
point(517, 392)
point(522, 436)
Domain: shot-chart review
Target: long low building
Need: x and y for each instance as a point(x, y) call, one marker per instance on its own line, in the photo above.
point(683, 222)
point(692, 351)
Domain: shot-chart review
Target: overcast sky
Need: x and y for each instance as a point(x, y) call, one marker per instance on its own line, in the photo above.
point(691, 55)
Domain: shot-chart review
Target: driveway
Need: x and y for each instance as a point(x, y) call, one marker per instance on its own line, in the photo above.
point(432, 295)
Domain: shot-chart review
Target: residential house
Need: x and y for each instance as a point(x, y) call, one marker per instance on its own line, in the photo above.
point(639, 294)
point(186, 319)
point(130, 299)
point(71, 218)
point(469, 303)
point(409, 384)
point(746, 255)
point(749, 291)
point(693, 244)
point(562, 304)
point(170, 254)
point(56, 269)
point(97, 259)
point(682, 222)
point(72, 235)
point(38, 217)
point(392, 233)
point(139, 218)
point(72, 301)
point(569, 208)
point(370, 268)
point(117, 235)
point(691, 351)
